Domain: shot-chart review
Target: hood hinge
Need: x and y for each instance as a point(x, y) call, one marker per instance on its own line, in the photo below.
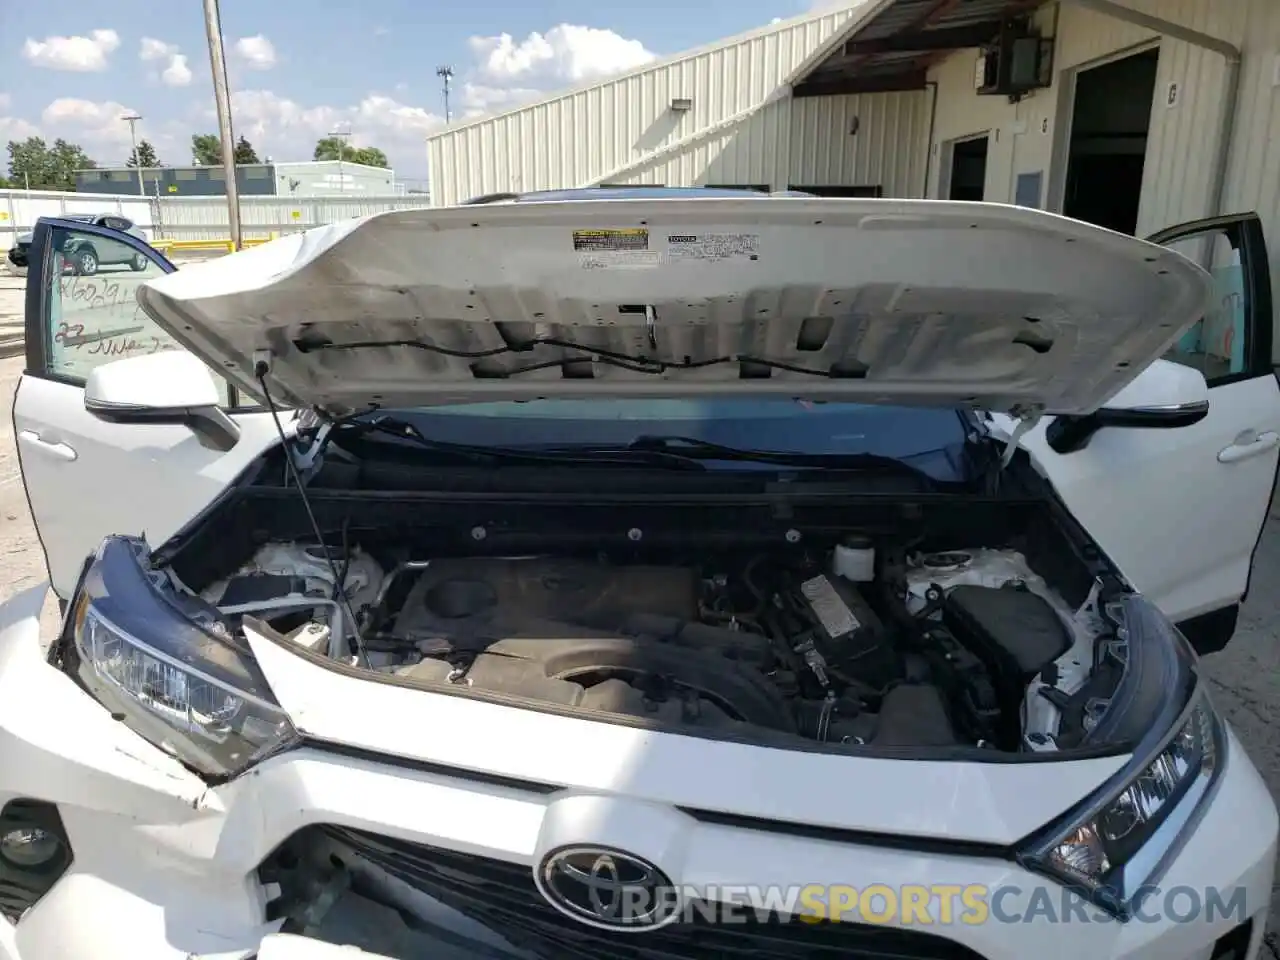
point(1028, 417)
point(307, 456)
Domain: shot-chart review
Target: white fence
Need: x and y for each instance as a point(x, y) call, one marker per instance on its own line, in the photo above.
point(205, 218)
point(192, 218)
point(19, 209)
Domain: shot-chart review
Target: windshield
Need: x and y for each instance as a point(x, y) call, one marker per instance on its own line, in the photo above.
point(930, 440)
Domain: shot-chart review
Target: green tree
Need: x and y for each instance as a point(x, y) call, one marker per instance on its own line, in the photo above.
point(144, 156)
point(333, 148)
point(206, 149)
point(33, 161)
point(245, 152)
point(370, 157)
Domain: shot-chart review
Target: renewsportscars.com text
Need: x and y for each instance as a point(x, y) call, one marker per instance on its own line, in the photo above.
point(929, 904)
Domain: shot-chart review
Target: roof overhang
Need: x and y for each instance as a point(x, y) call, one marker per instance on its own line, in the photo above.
point(895, 47)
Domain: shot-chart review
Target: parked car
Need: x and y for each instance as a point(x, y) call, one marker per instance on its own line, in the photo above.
point(85, 255)
point(544, 579)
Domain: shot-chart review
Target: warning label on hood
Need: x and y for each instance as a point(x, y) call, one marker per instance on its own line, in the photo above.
point(627, 238)
point(713, 246)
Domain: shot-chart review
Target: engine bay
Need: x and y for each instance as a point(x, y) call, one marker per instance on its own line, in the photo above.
point(860, 645)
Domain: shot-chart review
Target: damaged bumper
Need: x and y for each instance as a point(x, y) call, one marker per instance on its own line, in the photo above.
point(407, 860)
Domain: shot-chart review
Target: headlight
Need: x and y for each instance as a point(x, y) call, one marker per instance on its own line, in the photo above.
point(168, 667)
point(1122, 839)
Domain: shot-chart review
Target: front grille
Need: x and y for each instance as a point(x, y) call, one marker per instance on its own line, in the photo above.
point(503, 897)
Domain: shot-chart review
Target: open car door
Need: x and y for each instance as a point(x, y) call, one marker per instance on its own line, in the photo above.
point(86, 478)
point(1181, 510)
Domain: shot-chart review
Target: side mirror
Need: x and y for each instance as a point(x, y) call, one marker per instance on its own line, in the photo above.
point(171, 386)
point(1165, 395)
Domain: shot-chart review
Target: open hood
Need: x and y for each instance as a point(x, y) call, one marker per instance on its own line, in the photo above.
point(883, 301)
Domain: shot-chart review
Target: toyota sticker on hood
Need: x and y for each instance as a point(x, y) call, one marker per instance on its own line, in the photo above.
point(880, 301)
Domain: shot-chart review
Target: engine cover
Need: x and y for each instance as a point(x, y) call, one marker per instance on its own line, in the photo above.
point(622, 640)
point(469, 595)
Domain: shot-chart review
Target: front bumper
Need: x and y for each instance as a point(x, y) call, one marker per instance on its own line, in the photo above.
point(165, 867)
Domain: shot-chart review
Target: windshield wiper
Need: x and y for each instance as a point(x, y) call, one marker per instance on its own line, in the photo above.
point(695, 449)
point(494, 455)
point(670, 452)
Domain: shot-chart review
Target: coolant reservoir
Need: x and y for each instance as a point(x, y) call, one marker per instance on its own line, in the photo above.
point(855, 560)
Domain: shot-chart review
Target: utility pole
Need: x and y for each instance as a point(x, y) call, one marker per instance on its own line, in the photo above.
point(342, 149)
point(222, 97)
point(446, 76)
point(132, 119)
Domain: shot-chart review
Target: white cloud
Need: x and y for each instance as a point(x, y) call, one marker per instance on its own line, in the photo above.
point(83, 54)
point(97, 126)
point(257, 51)
point(508, 73)
point(176, 72)
point(565, 54)
point(12, 128)
point(153, 49)
point(478, 99)
point(287, 130)
point(88, 119)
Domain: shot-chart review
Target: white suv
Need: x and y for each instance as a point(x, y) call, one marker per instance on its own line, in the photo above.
point(646, 579)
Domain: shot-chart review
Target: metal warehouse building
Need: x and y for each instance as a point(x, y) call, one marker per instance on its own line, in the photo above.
point(1136, 115)
point(312, 178)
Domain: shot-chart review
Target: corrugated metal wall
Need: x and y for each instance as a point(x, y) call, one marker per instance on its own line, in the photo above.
point(330, 178)
point(1178, 174)
point(1180, 148)
point(600, 132)
point(808, 142)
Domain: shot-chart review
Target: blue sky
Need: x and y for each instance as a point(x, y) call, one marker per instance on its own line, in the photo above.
point(300, 69)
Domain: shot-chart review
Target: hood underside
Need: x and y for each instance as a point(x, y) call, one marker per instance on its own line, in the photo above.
point(881, 301)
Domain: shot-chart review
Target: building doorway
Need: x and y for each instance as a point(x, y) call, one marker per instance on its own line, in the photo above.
point(968, 175)
point(1110, 121)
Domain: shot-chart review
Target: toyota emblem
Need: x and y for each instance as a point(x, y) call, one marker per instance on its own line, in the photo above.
point(607, 888)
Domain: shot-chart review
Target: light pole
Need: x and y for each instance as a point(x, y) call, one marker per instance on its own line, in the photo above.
point(222, 98)
point(132, 119)
point(446, 76)
point(342, 148)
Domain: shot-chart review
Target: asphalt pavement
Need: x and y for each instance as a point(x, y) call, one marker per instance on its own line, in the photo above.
point(1245, 678)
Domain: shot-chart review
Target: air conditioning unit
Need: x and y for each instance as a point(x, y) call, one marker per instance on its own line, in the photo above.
point(1015, 64)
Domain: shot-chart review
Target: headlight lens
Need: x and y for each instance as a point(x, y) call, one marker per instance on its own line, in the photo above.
point(169, 667)
point(1123, 839)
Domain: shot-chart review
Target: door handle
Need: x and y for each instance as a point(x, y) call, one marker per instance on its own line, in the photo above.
point(62, 451)
point(1249, 444)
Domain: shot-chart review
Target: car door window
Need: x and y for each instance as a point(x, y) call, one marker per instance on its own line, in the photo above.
point(1233, 339)
point(89, 313)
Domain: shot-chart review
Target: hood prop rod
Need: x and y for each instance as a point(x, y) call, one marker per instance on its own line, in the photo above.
point(262, 367)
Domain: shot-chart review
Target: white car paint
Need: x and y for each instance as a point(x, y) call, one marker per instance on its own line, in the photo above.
point(1177, 510)
point(164, 863)
point(943, 303)
point(87, 479)
point(652, 768)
